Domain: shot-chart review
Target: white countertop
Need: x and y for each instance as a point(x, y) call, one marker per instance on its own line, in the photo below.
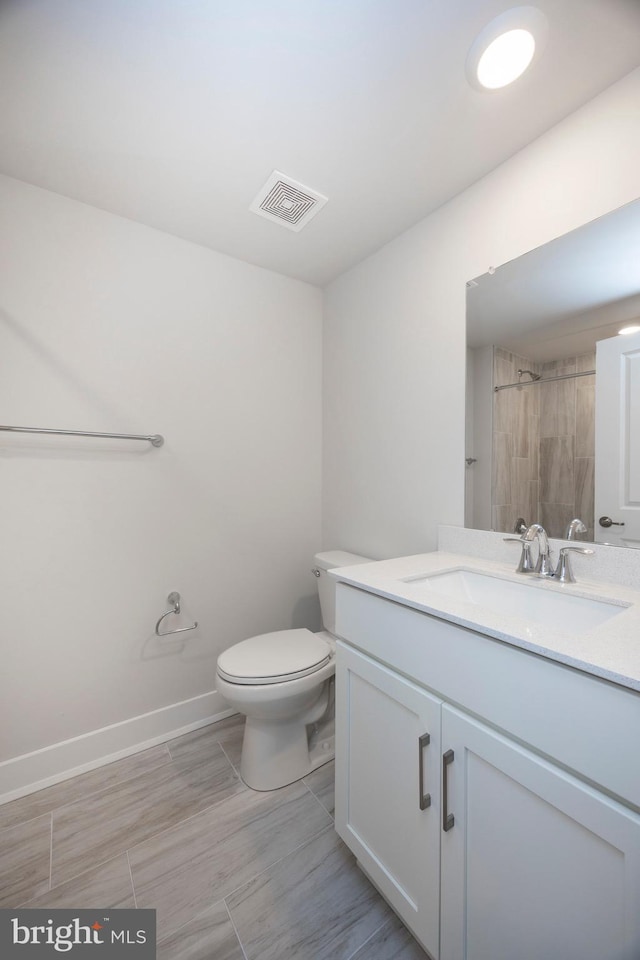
point(610, 651)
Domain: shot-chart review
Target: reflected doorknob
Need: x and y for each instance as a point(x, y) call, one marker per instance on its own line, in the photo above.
point(608, 522)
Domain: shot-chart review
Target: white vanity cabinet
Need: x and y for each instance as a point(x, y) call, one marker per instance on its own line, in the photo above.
point(534, 764)
point(387, 778)
point(537, 863)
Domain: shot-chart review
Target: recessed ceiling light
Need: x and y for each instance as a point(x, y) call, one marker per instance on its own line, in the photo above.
point(506, 59)
point(634, 328)
point(506, 47)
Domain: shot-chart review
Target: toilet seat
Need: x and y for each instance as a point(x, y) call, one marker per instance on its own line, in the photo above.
point(274, 657)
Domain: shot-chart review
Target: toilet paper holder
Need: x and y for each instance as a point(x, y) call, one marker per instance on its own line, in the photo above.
point(174, 600)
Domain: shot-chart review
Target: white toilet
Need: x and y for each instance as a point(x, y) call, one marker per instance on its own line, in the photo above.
point(283, 683)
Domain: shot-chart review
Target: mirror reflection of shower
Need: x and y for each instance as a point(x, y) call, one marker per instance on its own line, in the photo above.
point(543, 442)
point(543, 314)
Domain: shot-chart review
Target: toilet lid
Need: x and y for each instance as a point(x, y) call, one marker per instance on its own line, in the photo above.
point(274, 657)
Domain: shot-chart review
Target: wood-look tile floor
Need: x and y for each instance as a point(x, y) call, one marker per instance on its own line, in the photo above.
point(232, 874)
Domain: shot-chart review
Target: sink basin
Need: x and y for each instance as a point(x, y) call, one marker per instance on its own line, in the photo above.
point(529, 601)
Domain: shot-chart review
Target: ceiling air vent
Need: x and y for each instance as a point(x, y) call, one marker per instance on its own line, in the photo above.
point(287, 202)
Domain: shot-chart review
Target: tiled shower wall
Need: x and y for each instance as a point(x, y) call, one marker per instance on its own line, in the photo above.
point(516, 430)
point(543, 445)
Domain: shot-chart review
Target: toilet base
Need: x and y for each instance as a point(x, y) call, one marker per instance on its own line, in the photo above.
point(322, 743)
point(275, 754)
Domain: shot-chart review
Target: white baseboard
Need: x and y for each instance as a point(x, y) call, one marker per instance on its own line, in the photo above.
point(60, 761)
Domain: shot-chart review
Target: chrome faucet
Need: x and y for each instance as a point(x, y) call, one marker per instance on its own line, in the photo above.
point(520, 526)
point(576, 526)
point(543, 566)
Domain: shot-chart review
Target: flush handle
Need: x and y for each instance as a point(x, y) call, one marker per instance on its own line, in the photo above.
point(424, 798)
point(448, 819)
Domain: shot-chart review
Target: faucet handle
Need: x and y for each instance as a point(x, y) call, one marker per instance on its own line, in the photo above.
point(525, 565)
point(563, 572)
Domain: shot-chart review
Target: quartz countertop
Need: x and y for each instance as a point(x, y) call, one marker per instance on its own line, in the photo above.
point(610, 651)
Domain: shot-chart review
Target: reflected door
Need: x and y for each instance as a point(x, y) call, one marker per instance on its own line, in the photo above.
point(617, 470)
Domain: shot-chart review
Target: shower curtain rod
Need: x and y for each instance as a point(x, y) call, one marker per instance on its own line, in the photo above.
point(155, 439)
point(527, 383)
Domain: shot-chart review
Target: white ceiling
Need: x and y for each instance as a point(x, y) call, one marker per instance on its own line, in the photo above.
point(174, 112)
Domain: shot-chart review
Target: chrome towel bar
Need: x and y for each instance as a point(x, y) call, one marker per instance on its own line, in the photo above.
point(155, 439)
point(174, 600)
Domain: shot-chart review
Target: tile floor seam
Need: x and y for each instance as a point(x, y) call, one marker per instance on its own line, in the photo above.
point(126, 850)
point(180, 823)
point(51, 849)
point(235, 930)
point(348, 927)
point(172, 933)
point(214, 743)
point(237, 772)
point(133, 886)
point(96, 866)
point(198, 730)
point(316, 797)
point(370, 937)
point(21, 823)
point(146, 839)
point(168, 746)
point(135, 845)
point(85, 796)
point(196, 916)
point(76, 876)
point(202, 729)
point(270, 866)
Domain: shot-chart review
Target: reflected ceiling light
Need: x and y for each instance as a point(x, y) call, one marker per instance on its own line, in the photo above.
point(506, 47)
point(634, 328)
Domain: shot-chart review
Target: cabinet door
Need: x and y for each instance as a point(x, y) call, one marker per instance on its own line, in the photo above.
point(536, 864)
point(387, 750)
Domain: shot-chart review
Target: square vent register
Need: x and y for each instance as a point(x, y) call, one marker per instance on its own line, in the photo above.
point(287, 202)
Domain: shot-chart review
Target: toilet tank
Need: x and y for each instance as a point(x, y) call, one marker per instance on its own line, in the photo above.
point(327, 585)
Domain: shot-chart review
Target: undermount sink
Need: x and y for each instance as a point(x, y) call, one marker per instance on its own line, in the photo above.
point(529, 601)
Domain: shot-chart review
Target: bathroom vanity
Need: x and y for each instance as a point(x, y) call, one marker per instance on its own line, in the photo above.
point(487, 764)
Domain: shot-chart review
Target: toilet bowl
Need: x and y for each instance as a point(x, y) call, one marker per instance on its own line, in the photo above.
point(283, 683)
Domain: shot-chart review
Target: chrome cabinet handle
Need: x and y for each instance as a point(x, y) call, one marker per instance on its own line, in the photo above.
point(608, 522)
point(448, 819)
point(424, 798)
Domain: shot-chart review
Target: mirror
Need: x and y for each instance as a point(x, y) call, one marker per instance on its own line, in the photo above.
point(532, 329)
